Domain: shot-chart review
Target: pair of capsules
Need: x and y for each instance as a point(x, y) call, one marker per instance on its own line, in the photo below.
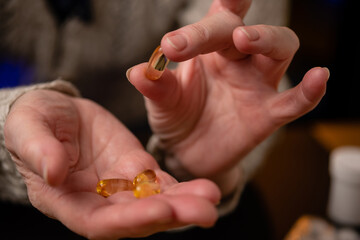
point(144, 184)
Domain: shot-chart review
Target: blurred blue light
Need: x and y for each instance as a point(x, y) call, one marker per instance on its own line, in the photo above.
point(14, 73)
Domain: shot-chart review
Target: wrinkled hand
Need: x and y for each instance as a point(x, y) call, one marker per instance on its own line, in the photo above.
point(214, 108)
point(63, 146)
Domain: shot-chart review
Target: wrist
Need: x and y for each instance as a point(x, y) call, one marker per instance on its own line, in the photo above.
point(228, 181)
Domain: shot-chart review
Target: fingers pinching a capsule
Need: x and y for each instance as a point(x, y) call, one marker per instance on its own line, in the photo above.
point(157, 64)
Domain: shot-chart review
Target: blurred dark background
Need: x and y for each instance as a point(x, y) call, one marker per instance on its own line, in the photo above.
point(328, 38)
point(294, 179)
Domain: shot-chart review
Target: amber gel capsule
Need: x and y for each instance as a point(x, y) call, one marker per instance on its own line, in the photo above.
point(145, 176)
point(157, 64)
point(145, 184)
point(146, 189)
point(108, 187)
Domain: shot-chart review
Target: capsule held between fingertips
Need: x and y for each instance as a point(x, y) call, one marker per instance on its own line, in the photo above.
point(157, 64)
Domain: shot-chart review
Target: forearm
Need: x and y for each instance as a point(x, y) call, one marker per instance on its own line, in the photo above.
point(12, 186)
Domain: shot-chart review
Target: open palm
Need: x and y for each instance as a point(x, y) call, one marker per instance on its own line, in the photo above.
point(63, 146)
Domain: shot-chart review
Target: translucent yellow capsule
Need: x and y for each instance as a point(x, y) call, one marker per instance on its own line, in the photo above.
point(144, 184)
point(108, 187)
point(146, 176)
point(146, 189)
point(157, 64)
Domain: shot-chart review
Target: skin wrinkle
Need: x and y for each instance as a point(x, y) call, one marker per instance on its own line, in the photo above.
point(67, 140)
point(73, 153)
point(226, 17)
point(193, 140)
point(56, 130)
point(181, 117)
point(273, 105)
point(302, 93)
point(284, 56)
point(200, 30)
point(260, 121)
point(37, 201)
point(291, 100)
point(160, 112)
point(96, 155)
point(236, 7)
point(177, 134)
point(79, 136)
point(199, 134)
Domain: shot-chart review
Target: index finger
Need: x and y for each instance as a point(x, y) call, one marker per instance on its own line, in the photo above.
point(213, 33)
point(276, 42)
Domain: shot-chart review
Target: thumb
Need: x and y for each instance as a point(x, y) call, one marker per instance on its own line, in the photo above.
point(32, 142)
point(212, 33)
point(165, 90)
point(301, 99)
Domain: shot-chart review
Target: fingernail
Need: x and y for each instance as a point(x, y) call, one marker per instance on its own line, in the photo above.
point(178, 42)
point(251, 33)
point(128, 73)
point(328, 71)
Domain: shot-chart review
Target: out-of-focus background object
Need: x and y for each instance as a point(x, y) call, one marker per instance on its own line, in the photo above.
point(295, 179)
point(315, 228)
point(344, 196)
point(325, 29)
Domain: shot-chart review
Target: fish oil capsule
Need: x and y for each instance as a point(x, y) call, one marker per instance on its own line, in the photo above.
point(146, 189)
point(145, 176)
point(108, 187)
point(157, 64)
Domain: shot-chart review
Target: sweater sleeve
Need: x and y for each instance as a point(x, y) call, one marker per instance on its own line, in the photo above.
point(12, 187)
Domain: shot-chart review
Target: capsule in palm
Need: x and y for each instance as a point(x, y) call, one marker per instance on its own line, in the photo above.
point(145, 176)
point(108, 187)
point(146, 189)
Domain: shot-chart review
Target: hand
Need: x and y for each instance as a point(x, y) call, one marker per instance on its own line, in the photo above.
point(214, 108)
point(63, 146)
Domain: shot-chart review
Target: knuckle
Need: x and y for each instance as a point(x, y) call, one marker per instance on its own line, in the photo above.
point(201, 31)
point(292, 37)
